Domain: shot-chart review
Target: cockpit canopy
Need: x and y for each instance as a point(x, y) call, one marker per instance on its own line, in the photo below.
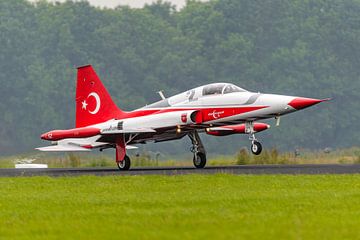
point(196, 93)
point(221, 88)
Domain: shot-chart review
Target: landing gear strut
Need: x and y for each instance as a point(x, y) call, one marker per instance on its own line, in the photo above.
point(256, 147)
point(122, 160)
point(198, 149)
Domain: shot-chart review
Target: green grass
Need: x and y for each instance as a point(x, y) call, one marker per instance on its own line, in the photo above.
point(181, 207)
point(242, 157)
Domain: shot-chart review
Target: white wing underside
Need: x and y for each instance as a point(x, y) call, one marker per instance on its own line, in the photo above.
point(76, 145)
point(63, 148)
point(72, 148)
point(133, 130)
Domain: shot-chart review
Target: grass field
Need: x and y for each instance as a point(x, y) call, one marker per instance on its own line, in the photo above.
point(181, 207)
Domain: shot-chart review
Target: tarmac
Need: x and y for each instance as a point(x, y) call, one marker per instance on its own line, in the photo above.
point(243, 169)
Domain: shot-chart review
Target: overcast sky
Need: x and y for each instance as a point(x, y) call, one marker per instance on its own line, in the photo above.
point(131, 3)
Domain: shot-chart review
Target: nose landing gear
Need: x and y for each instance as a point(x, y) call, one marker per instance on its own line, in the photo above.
point(198, 149)
point(256, 147)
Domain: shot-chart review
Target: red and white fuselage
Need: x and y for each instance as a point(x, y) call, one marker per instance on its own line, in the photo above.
point(218, 109)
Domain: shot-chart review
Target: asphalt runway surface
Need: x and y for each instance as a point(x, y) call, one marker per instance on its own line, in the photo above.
point(244, 169)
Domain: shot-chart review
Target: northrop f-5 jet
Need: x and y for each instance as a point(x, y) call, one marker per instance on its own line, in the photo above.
point(217, 109)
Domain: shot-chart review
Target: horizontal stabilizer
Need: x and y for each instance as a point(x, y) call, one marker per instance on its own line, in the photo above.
point(63, 148)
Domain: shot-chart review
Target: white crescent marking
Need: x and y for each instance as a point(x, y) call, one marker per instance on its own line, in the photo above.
point(215, 114)
point(98, 102)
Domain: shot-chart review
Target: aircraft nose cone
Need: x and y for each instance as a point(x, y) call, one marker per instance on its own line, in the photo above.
point(300, 102)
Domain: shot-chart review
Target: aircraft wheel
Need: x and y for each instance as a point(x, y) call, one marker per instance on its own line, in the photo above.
point(256, 148)
point(199, 160)
point(124, 164)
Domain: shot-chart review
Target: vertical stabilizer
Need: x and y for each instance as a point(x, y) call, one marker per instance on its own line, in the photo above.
point(93, 102)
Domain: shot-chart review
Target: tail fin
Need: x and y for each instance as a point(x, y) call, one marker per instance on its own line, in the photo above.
point(93, 102)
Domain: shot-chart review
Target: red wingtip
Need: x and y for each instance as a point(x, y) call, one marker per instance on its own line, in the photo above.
point(300, 102)
point(44, 136)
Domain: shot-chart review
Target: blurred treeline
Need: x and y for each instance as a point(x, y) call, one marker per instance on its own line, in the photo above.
point(305, 48)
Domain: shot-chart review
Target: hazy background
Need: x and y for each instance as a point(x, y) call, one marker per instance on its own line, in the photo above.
point(301, 48)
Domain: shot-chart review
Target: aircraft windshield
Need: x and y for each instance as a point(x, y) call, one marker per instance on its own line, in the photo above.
point(213, 89)
point(229, 88)
point(221, 88)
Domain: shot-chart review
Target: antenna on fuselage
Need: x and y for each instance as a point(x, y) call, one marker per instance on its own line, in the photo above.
point(161, 94)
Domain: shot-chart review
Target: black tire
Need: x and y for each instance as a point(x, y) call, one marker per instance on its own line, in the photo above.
point(199, 160)
point(256, 148)
point(124, 164)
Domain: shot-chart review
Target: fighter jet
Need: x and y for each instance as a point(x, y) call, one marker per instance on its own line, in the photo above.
point(217, 109)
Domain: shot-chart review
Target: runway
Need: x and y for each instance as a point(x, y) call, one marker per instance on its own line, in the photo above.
point(244, 169)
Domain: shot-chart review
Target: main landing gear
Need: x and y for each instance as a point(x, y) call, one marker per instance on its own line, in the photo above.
point(198, 149)
point(122, 160)
point(124, 164)
point(256, 147)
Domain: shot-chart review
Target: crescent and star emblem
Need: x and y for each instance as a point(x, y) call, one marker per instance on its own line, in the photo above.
point(98, 103)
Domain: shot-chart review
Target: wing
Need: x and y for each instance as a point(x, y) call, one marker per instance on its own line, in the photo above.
point(78, 145)
point(63, 148)
point(72, 148)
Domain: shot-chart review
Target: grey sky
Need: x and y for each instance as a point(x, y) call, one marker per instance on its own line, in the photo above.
point(131, 3)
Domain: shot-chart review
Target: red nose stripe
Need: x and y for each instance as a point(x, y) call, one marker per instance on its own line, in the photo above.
point(300, 103)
